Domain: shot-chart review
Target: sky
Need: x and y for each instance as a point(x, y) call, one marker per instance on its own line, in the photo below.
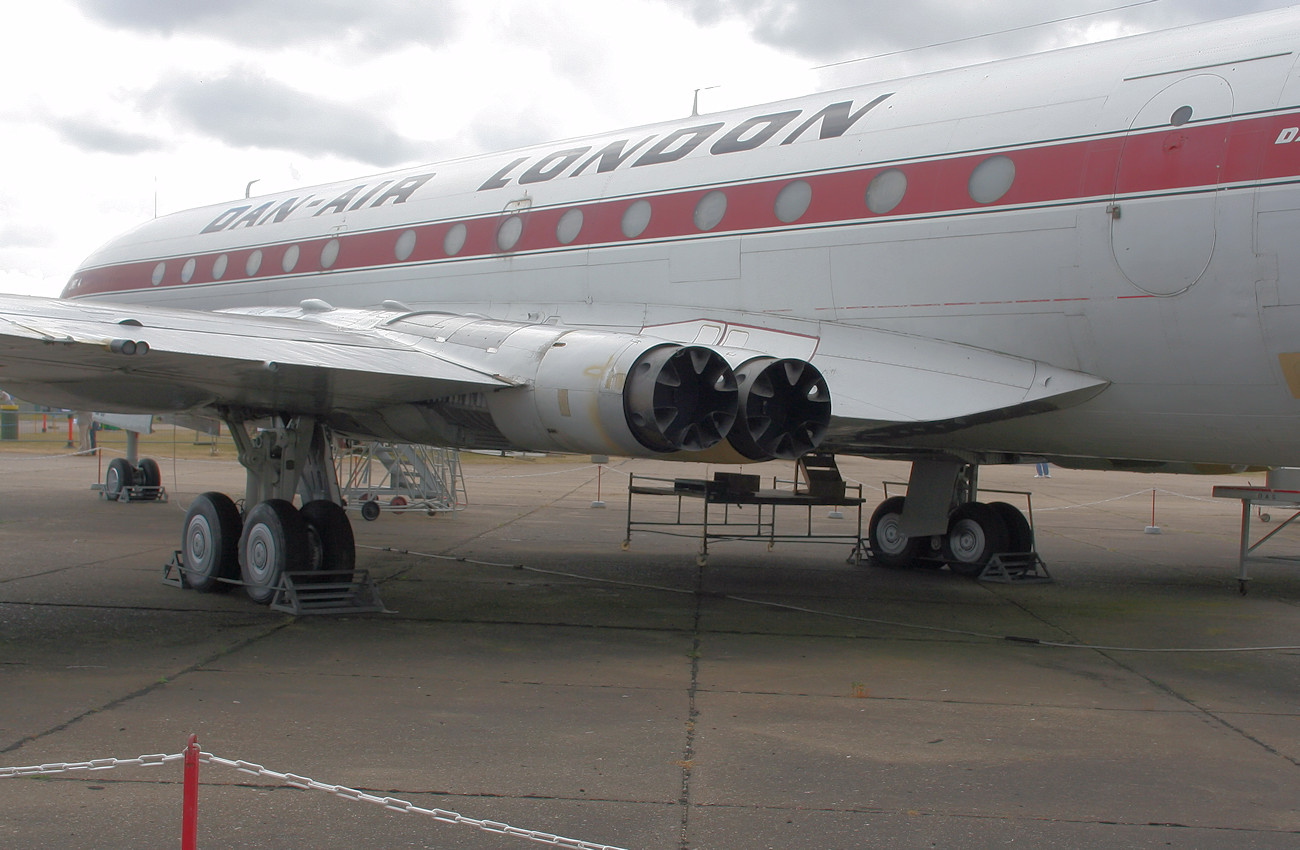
point(118, 110)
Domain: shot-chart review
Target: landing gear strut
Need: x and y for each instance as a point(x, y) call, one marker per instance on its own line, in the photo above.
point(291, 457)
point(940, 522)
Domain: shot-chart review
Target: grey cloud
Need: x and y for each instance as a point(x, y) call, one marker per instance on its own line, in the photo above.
point(508, 130)
point(371, 25)
point(826, 30)
point(90, 135)
point(247, 109)
point(17, 235)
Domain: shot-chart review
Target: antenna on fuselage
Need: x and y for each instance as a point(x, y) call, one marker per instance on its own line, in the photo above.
point(695, 104)
point(248, 190)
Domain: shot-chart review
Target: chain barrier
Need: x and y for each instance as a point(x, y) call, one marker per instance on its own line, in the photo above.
point(1144, 493)
point(305, 783)
point(393, 803)
point(96, 764)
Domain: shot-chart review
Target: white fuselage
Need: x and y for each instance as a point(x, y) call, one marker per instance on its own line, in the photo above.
point(1129, 210)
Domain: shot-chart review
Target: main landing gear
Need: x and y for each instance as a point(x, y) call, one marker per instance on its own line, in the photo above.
point(127, 482)
point(221, 548)
point(939, 530)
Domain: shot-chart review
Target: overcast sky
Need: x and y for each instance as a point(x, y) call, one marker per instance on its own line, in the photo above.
point(114, 109)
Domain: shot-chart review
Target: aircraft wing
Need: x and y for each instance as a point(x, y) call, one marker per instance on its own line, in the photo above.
point(357, 368)
point(75, 354)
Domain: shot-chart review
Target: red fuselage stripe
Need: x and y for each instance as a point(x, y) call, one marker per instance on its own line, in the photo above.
point(1169, 160)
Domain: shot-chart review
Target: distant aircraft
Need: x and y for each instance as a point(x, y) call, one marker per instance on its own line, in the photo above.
point(1089, 256)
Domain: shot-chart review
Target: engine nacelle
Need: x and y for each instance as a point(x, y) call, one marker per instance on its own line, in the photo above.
point(596, 392)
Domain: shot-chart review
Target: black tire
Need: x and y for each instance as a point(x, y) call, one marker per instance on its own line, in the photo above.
point(370, 510)
point(1020, 537)
point(273, 542)
point(119, 477)
point(329, 537)
point(147, 474)
point(976, 532)
point(210, 542)
point(889, 547)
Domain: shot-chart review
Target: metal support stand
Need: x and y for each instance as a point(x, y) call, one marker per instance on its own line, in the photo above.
point(132, 493)
point(328, 592)
point(811, 490)
point(1250, 497)
point(1016, 568)
point(315, 592)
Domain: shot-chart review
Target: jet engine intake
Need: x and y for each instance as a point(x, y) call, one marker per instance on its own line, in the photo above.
point(680, 398)
point(784, 408)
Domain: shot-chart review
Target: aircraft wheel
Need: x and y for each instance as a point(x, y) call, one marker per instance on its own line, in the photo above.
point(976, 532)
point(888, 545)
point(330, 543)
point(210, 543)
point(274, 542)
point(147, 474)
point(1020, 537)
point(119, 476)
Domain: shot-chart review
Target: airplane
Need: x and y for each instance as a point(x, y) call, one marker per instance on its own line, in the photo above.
point(1087, 256)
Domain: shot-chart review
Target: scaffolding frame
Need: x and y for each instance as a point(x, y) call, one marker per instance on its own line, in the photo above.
point(400, 477)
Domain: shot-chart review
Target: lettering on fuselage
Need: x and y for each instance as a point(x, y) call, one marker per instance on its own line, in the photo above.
point(835, 121)
point(831, 121)
point(374, 195)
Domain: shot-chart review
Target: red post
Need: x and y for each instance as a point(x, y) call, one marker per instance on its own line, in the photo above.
point(190, 797)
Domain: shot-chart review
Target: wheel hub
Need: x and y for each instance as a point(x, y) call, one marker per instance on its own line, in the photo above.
point(260, 553)
point(889, 535)
point(966, 541)
point(200, 541)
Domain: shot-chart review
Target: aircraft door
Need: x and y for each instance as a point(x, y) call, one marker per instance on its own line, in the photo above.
point(1163, 214)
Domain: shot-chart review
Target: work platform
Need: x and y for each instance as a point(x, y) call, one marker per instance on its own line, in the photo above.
point(400, 477)
point(817, 483)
